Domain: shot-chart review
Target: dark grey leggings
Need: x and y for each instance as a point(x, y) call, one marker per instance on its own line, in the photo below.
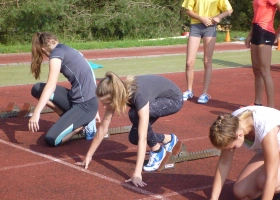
point(75, 114)
point(160, 108)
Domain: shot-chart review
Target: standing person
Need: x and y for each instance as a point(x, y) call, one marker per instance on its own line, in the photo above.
point(77, 106)
point(261, 38)
point(205, 15)
point(258, 127)
point(149, 98)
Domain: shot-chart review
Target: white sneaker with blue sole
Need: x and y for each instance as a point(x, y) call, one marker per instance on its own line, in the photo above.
point(155, 160)
point(90, 130)
point(187, 95)
point(204, 98)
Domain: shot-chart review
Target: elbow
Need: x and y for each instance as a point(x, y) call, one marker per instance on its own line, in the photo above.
point(230, 12)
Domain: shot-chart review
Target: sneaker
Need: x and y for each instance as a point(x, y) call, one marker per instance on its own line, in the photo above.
point(90, 130)
point(204, 98)
point(155, 160)
point(170, 145)
point(187, 95)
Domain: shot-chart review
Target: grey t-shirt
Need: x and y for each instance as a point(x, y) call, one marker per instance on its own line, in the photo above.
point(151, 87)
point(78, 72)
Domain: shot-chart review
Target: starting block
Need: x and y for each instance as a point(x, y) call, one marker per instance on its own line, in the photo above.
point(28, 109)
point(11, 110)
point(111, 131)
point(117, 130)
point(180, 154)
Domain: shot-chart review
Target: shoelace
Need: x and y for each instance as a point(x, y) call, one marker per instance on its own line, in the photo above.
point(207, 95)
point(152, 158)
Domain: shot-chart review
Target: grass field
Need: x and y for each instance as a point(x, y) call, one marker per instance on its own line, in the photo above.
point(89, 45)
point(20, 74)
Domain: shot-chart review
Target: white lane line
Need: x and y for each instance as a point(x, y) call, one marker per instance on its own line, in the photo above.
point(191, 190)
point(79, 168)
point(73, 157)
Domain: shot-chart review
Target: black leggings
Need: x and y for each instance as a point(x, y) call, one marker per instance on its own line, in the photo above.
point(160, 108)
point(75, 114)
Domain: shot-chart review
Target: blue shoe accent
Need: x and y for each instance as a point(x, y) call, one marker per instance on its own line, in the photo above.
point(90, 130)
point(155, 160)
point(170, 145)
point(187, 95)
point(204, 98)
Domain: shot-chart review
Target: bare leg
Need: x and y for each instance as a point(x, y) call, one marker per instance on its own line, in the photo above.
point(69, 136)
point(251, 180)
point(209, 45)
point(264, 54)
point(55, 108)
point(259, 84)
point(192, 47)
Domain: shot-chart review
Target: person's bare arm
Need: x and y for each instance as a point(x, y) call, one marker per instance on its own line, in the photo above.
point(221, 173)
point(101, 132)
point(220, 16)
point(207, 21)
point(143, 114)
point(271, 162)
point(54, 71)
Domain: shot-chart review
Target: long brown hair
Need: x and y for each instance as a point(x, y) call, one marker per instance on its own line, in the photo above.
point(119, 91)
point(223, 130)
point(39, 40)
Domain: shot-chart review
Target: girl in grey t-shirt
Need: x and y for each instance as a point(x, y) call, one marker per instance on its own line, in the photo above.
point(76, 106)
point(149, 98)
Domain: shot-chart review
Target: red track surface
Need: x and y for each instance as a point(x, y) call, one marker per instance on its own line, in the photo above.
point(31, 170)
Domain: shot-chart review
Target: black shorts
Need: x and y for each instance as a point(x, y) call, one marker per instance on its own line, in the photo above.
point(262, 36)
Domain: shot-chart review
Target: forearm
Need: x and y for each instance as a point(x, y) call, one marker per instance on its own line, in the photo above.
point(193, 15)
point(45, 96)
point(217, 186)
point(224, 14)
point(97, 140)
point(269, 188)
point(142, 143)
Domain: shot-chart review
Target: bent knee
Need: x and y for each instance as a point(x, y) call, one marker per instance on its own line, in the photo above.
point(239, 191)
point(189, 65)
point(37, 89)
point(50, 141)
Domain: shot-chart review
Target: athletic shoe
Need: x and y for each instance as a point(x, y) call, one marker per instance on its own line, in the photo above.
point(170, 145)
point(204, 98)
point(187, 95)
point(155, 160)
point(90, 130)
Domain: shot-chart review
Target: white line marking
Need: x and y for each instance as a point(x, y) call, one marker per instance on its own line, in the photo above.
point(84, 170)
point(187, 191)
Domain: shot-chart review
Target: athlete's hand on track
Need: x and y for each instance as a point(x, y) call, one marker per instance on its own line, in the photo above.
point(33, 123)
point(85, 163)
point(136, 180)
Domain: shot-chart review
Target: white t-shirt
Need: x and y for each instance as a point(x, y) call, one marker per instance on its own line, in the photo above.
point(265, 119)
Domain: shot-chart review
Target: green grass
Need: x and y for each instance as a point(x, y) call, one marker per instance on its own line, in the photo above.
point(19, 74)
point(20, 48)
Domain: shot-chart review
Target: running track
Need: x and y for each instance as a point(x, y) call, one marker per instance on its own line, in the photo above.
point(31, 170)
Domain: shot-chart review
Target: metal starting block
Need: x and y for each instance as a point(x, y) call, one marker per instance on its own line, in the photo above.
point(117, 130)
point(28, 109)
point(180, 154)
point(111, 131)
point(11, 110)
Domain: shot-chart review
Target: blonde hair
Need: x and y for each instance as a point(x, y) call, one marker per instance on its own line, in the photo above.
point(39, 40)
point(223, 130)
point(118, 91)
